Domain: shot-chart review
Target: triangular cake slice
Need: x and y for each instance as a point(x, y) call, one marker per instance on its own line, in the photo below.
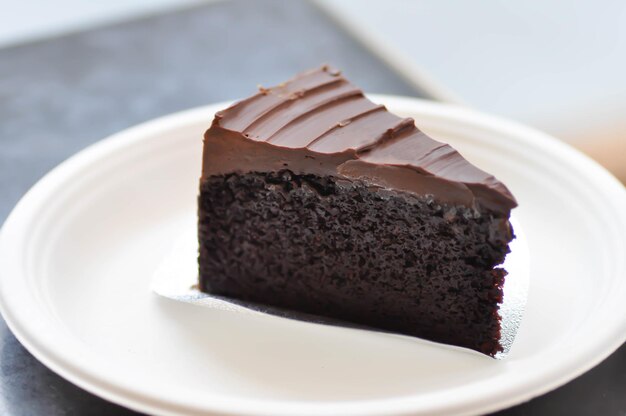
point(315, 199)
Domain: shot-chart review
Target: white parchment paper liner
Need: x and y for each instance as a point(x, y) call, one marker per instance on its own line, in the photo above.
point(177, 277)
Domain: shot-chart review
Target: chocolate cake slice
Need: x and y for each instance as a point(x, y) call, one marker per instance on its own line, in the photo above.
point(315, 199)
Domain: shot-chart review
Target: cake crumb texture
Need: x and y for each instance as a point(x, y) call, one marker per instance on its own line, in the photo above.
point(389, 260)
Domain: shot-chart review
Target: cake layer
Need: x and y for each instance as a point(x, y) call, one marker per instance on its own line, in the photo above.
point(320, 123)
point(380, 258)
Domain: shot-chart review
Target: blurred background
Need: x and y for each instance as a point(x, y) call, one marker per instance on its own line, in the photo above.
point(75, 71)
point(558, 66)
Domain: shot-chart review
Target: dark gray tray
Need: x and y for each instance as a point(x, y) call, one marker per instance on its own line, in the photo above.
point(59, 95)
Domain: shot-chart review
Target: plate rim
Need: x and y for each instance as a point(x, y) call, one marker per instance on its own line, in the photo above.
point(17, 320)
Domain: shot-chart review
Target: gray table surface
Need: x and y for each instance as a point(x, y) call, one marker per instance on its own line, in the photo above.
point(59, 95)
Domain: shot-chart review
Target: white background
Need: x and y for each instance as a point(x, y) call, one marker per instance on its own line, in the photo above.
point(558, 65)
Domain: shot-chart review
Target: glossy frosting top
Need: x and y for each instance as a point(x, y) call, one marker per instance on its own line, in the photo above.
point(320, 123)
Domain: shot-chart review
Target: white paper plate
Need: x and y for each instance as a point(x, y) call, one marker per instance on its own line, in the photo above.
point(78, 252)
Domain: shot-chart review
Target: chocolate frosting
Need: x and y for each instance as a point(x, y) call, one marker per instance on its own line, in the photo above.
point(319, 123)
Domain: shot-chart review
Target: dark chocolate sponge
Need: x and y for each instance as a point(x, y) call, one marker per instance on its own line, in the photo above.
point(342, 249)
